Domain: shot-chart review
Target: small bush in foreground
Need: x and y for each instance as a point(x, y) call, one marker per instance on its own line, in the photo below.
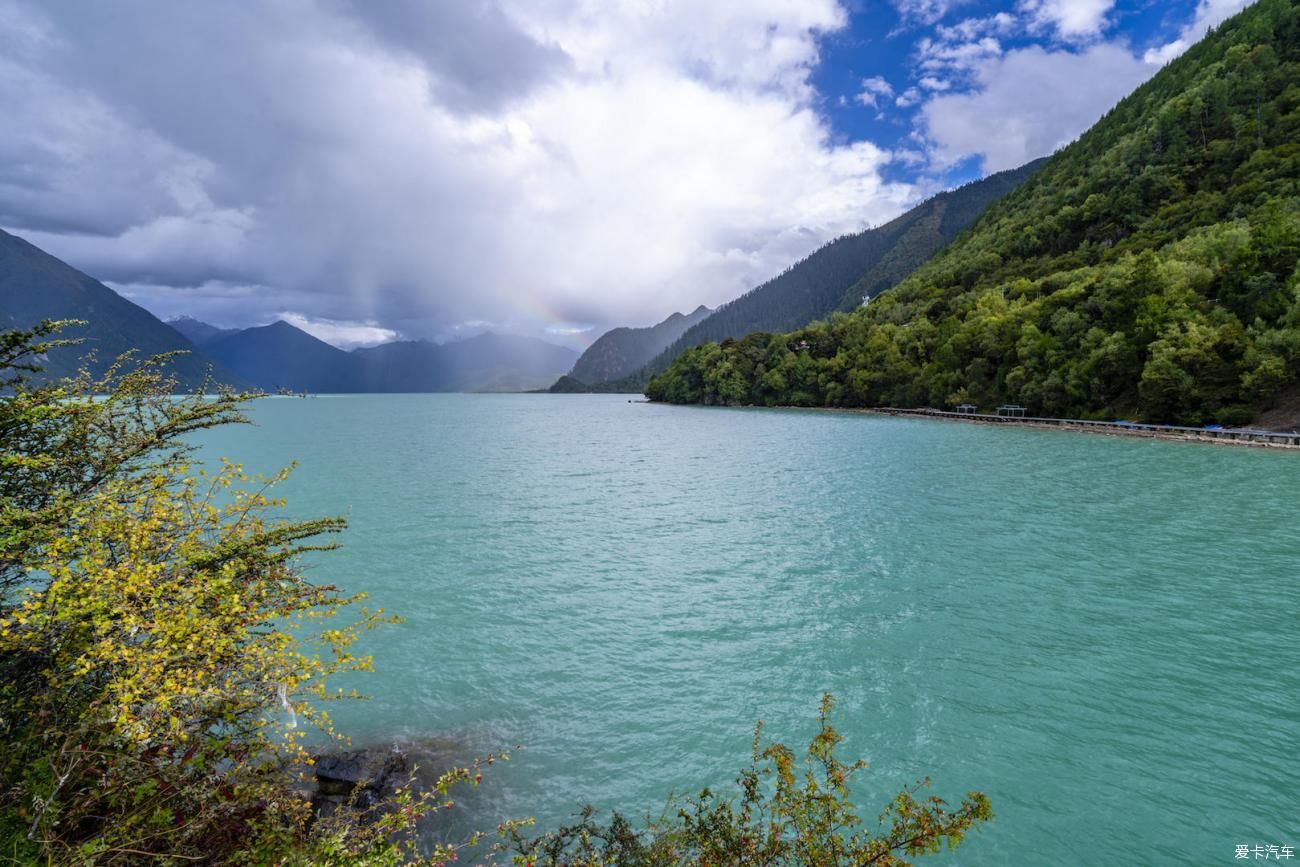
point(785, 815)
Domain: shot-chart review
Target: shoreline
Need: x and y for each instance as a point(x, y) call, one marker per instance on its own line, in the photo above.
point(1173, 433)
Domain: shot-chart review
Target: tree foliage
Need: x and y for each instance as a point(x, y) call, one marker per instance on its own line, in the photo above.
point(161, 653)
point(1150, 268)
point(621, 352)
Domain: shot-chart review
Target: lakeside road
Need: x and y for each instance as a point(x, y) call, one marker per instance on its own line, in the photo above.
point(1222, 436)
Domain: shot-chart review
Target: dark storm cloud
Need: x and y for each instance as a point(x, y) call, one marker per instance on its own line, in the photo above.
point(222, 114)
point(479, 59)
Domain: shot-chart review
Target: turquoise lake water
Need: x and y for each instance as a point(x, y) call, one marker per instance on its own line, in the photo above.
point(1100, 633)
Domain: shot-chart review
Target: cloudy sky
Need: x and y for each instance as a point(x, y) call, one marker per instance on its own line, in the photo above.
point(434, 168)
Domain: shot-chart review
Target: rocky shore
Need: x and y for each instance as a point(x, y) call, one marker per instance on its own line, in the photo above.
point(369, 777)
point(365, 777)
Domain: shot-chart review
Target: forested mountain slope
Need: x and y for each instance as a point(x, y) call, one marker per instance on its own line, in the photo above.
point(623, 351)
point(280, 356)
point(1149, 268)
point(840, 275)
point(34, 286)
point(197, 331)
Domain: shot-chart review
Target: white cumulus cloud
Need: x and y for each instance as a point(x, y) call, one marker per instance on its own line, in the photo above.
point(1028, 103)
point(873, 89)
point(345, 335)
point(1069, 19)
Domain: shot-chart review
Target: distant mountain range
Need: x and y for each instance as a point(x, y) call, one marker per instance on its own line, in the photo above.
point(34, 286)
point(280, 356)
point(488, 362)
point(839, 276)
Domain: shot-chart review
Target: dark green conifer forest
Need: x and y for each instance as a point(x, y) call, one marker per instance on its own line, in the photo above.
point(1149, 269)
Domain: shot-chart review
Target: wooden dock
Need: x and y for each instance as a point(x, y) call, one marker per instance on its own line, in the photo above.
point(1227, 436)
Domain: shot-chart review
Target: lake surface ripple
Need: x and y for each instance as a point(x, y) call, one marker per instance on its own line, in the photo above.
point(1098, 632)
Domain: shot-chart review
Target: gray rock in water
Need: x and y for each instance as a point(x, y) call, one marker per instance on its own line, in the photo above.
point(377, 773)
